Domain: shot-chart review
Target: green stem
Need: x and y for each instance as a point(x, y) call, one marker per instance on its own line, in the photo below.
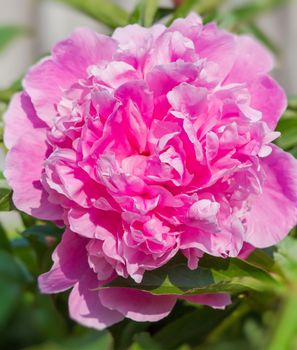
point(286, 327)
point(236, 315)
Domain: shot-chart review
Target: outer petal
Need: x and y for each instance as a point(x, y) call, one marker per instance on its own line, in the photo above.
point(217, 46)
point(26, 135)
point(216, 301)
point(137, 305)
point(21, 118)
point(47, 80)
point(246, 251)
point(274, 213)
point(86, 308)
point(269, 98)
point(251, 60)
point(135, 43)
point(70, 263)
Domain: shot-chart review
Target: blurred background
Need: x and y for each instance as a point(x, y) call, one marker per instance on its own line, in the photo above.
point(28, 29)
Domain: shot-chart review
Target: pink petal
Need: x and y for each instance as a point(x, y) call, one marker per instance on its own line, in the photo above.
point(21, 118)
point(216, 301)
point(70, 263)
point(94, 223)
point(274, 213)
point(188, 99)
point(23, 169)
point(69, 62)
point(86, 308)
point(251, 60)
point(138, 305)
point(217, 46)
point(269, 98)
point(246, 251)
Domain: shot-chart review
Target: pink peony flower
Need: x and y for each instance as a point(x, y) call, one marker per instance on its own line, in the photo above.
point(153, 142)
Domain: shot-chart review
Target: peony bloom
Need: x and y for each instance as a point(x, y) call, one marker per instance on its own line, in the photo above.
point(151, 143)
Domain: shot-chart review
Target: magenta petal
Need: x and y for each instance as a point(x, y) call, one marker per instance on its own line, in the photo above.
point(86, 308)
point(23, 168)
point(274, 212)
point(246, 251)
point(83, 48)
point(68, 64)
point(70, 263)
point(21, 118)
point(269, 98)
point(216, 301)
point(46, 93)
point(251, 60)
point(28, 193)
point(138, 305)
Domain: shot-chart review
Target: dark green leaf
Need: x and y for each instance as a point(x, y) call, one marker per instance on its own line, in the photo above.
point(4, 241)
point(262, 260)
point(145, 12)
point(92, 340)
point(12, 277)
point(9, 295)
point(202, 7)
point(144, 341)
point(123, 333)
point(191, 328)
point(103, 11)
point(288, 128)
point(214, 275)
point(43, 239)
point(162, 12)
point(5, 199)
point(25, 253)
point(286, 257)
point(235, 18)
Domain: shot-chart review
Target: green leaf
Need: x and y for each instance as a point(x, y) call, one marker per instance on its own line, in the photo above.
point(7, 34)
point(92, 340)
point(191, 328)
point(12, 277)
point(286, 257)
point(5, 199)
point(6, 94)
point(283, 336)
point(26, 254)
point(4, 241)
point(162, 12)
point(124, 332)
point(288, 128)
point(144, 341)
point(200, 6)
point(43, 238)
point(259, 258)
point(9, 294)
point(214, 275)
point(106, 12)
point(241, 15)
point(145, 12)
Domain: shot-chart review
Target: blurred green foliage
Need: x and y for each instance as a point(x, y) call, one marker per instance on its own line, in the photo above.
point(264, 288)
point(7, 34)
